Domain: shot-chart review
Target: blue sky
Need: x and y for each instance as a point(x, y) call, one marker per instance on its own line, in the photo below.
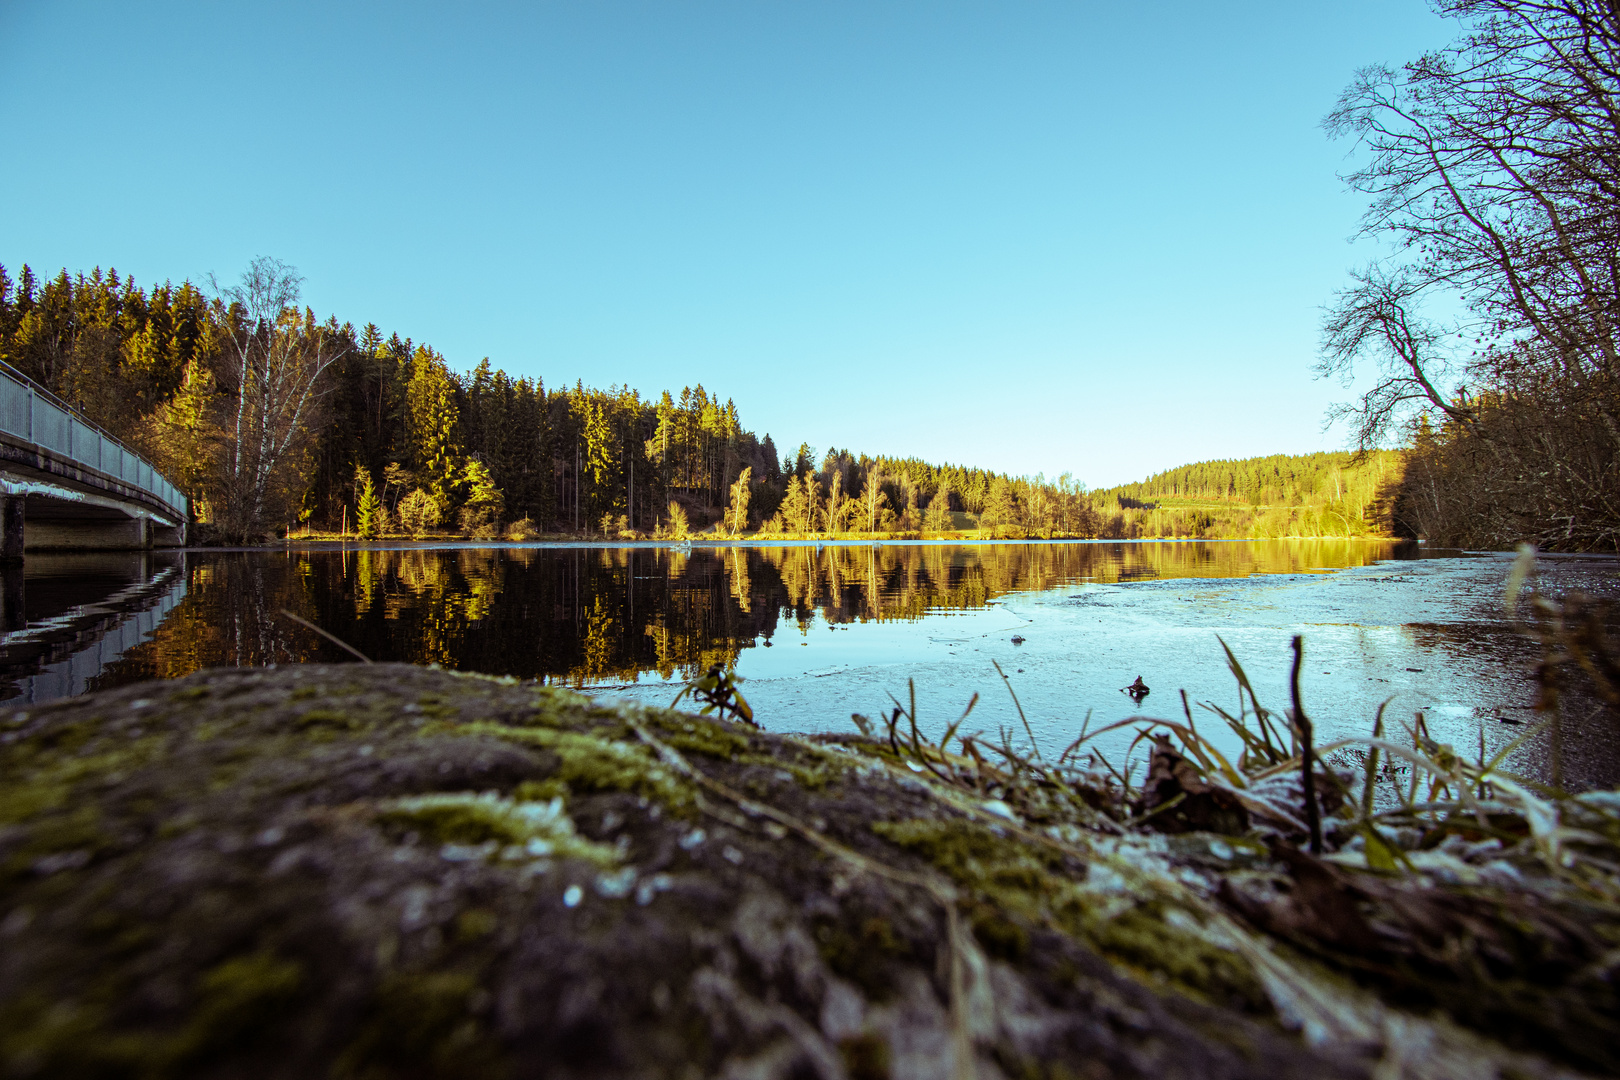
point(1048, 237)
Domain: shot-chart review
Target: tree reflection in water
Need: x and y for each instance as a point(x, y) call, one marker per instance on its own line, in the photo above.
point(594, 615)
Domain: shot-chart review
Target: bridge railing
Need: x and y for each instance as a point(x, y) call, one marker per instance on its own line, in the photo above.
point(31, 412)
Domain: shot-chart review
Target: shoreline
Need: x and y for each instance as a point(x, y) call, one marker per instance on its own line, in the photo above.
point(322, 543)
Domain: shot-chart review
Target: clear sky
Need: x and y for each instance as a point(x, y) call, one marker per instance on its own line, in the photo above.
point(1086, 237)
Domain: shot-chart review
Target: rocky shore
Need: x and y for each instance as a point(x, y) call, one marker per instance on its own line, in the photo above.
point(378, 871)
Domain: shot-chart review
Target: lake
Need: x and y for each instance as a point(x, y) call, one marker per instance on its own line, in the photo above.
point(820, 631)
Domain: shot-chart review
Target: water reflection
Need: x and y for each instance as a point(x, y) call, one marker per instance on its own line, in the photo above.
point(65, 620)
point(616, 615)
point(1069, 624)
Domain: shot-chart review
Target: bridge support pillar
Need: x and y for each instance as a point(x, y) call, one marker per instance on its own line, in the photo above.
point(13, 614)
point(11, 528)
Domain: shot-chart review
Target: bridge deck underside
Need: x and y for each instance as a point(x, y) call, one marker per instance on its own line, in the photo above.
point(46, 508)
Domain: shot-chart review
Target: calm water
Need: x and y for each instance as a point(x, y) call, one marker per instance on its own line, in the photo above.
point(821, 631)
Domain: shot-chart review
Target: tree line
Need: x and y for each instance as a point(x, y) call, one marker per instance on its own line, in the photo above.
point(268, 418)
point(271, 420)
point(1288, 479)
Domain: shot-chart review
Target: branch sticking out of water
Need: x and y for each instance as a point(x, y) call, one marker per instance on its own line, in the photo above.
point(329, 636)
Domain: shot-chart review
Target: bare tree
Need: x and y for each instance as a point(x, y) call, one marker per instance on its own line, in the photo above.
point(938, 517)
point(1494, 165)
point(277, 359)
point(872, 498)
point(1492, 168)
point(1375, 319)
point(737, 511)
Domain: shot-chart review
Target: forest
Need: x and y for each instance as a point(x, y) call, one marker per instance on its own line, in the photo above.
point(275, 423)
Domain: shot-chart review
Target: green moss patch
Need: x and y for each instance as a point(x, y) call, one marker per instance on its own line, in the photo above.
point(496, 825)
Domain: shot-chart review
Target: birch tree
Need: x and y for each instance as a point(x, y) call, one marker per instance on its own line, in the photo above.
point(872, 498)
point(737, 513)
point(277, 357)
point(938, 517)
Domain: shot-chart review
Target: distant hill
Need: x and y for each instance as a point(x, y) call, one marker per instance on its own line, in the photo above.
point(1334, 493)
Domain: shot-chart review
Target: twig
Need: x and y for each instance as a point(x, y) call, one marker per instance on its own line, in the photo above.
point(1302, 723)
point(329, 636)
point(1020, 709)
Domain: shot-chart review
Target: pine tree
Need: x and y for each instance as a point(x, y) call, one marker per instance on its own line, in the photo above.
point(481, 514)
point(603, 457)
point(433, 426)
point(368, 510)
point(183, 438)
point(795, 506)
point(679, 527)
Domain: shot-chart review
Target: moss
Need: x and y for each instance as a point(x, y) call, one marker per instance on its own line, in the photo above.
point(999, 935)
point(866, 1057)
point(810, 778)
point(552, 707)
point(696, 735)
point(326, 723)
point(974, 856)
point(1016, 882)
point(436, 706)
point(22, 801)
point(235, 1005)
point(1142, 938)
point(311, 938)
point(38, 1034)
point(40, 774)
point(178, 825)
point(864, 954)
point(541, 791)
point(238, 996)
point(77, 829)
point(1018, 1067)
point(66, 738)
point(517, 830)
point(593, 763)
point(475, 923)
point(422, 1024)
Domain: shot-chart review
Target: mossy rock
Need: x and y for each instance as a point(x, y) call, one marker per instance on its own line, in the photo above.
point(388, 871)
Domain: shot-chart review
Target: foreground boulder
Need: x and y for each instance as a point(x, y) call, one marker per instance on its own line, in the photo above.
point(389, 871)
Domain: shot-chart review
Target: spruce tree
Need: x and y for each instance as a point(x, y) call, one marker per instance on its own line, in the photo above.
point(481, 515)
point(433, 426)
point(368, 510)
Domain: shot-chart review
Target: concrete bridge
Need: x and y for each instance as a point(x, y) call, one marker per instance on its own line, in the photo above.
point(67, 485)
